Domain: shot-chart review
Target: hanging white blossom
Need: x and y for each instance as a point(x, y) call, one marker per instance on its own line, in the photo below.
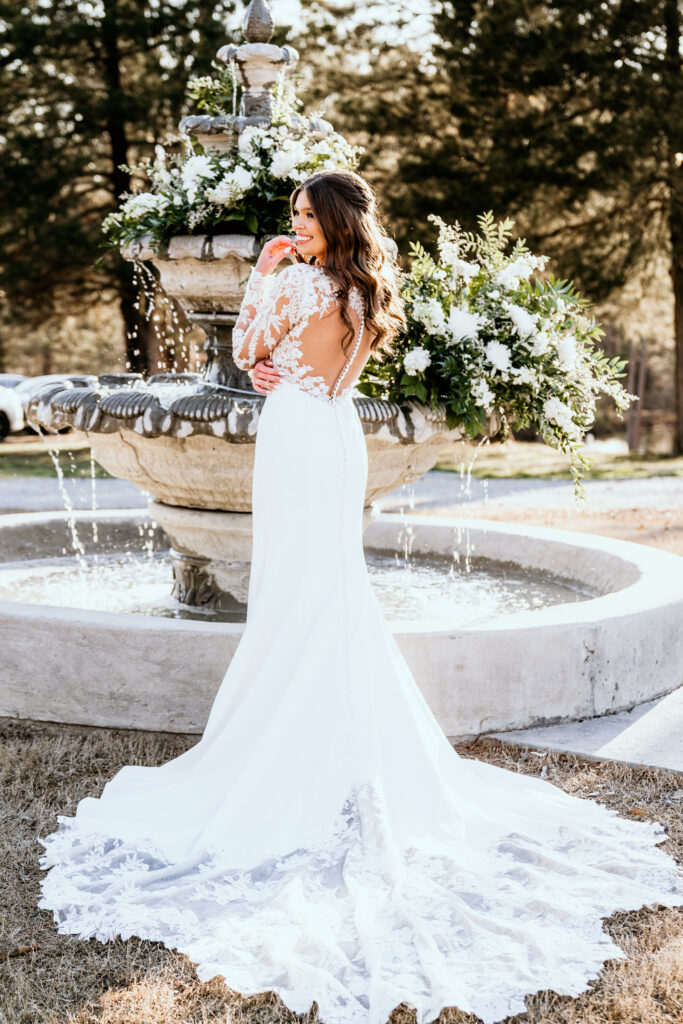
point(482, 394)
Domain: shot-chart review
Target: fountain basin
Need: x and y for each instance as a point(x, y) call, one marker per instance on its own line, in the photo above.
point(603, 654)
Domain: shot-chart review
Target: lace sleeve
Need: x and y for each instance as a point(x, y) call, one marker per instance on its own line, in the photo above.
point(264, 317)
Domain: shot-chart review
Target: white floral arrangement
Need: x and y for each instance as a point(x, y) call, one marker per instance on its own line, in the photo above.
point(484, 337)
point(250, 183)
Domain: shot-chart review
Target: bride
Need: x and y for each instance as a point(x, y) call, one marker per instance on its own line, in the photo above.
point(323, 839)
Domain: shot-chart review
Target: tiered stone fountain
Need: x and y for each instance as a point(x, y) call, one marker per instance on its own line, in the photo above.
point(189, 440)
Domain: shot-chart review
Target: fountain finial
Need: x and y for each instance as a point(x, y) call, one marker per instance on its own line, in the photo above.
point(258, 22)
point(259, 64)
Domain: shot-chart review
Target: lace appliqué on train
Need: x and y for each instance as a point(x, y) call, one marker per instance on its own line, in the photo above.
point(372, 924)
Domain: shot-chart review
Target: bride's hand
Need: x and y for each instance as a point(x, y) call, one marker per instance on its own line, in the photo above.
point(265, 377)
point(273, 252)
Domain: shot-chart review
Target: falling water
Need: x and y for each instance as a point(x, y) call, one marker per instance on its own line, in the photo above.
point(79, 550)
point(233, 72)
point(146, 283)
point(464, 548)
point(93, 496)
point(278, 94)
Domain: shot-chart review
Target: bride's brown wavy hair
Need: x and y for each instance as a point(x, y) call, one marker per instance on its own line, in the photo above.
point(358, 251)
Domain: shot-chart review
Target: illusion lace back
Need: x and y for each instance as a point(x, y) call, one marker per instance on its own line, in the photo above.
point(295, 319)
point(323, 839)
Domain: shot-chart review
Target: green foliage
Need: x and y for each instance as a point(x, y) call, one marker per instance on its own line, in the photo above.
point(218, 94)
point(487, 341)
point(250, 182)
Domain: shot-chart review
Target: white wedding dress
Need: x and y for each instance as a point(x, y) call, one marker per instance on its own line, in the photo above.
point(323, 839)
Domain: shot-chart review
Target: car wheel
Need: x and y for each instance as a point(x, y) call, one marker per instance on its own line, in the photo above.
point(4, 425)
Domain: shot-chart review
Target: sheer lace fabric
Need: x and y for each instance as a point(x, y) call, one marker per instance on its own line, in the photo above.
point(294, 318)
point(323, 839)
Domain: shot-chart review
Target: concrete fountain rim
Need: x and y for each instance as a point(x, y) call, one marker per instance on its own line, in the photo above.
point(119, 670)
point(656, 577)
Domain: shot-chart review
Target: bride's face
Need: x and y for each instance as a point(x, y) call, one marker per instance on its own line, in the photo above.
point(309, 237)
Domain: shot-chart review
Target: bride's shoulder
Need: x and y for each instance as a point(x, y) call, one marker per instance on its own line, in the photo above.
point(308, 280)
point(303, 271)
point(299, 275)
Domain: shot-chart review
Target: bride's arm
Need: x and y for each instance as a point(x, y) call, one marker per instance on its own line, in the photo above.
point(264, 316)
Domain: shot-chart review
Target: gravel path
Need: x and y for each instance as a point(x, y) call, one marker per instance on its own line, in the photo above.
point(443, 490)
point(42, 494)
point(437, 489)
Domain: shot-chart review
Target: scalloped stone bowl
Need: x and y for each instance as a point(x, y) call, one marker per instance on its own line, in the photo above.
point(190, 445)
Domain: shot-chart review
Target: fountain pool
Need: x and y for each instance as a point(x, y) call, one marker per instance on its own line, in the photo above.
point(503, 626)
point(407, 588)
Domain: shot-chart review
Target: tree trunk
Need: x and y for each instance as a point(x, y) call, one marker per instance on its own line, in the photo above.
point(675, 183)
point(137, 356)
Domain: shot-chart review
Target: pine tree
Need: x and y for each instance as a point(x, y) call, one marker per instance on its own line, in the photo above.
point(568, 117)
point(85, 88)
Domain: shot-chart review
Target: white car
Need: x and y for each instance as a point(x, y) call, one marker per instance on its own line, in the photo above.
point(11, 412)
point(10, 380)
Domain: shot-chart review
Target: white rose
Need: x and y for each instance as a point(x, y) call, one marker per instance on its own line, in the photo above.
point(417, 360)
point(431, 315)
point(248, 137)
point(198, 167)
point(519, 270)
point(523, 375)
point(287, 157)
point(541, 343)
point(231, 187)
point(523, 322)
point(449, 252)
point(143, 203)
point(463, 324)
point(281, 165)
point(557, 412)
point(498, 355)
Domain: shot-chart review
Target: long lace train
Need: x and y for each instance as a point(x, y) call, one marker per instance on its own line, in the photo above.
point(323, 839)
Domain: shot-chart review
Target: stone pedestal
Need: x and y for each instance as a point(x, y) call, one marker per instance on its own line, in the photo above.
point(212, 553)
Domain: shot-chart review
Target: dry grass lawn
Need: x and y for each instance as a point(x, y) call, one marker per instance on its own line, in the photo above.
point(46, 978)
